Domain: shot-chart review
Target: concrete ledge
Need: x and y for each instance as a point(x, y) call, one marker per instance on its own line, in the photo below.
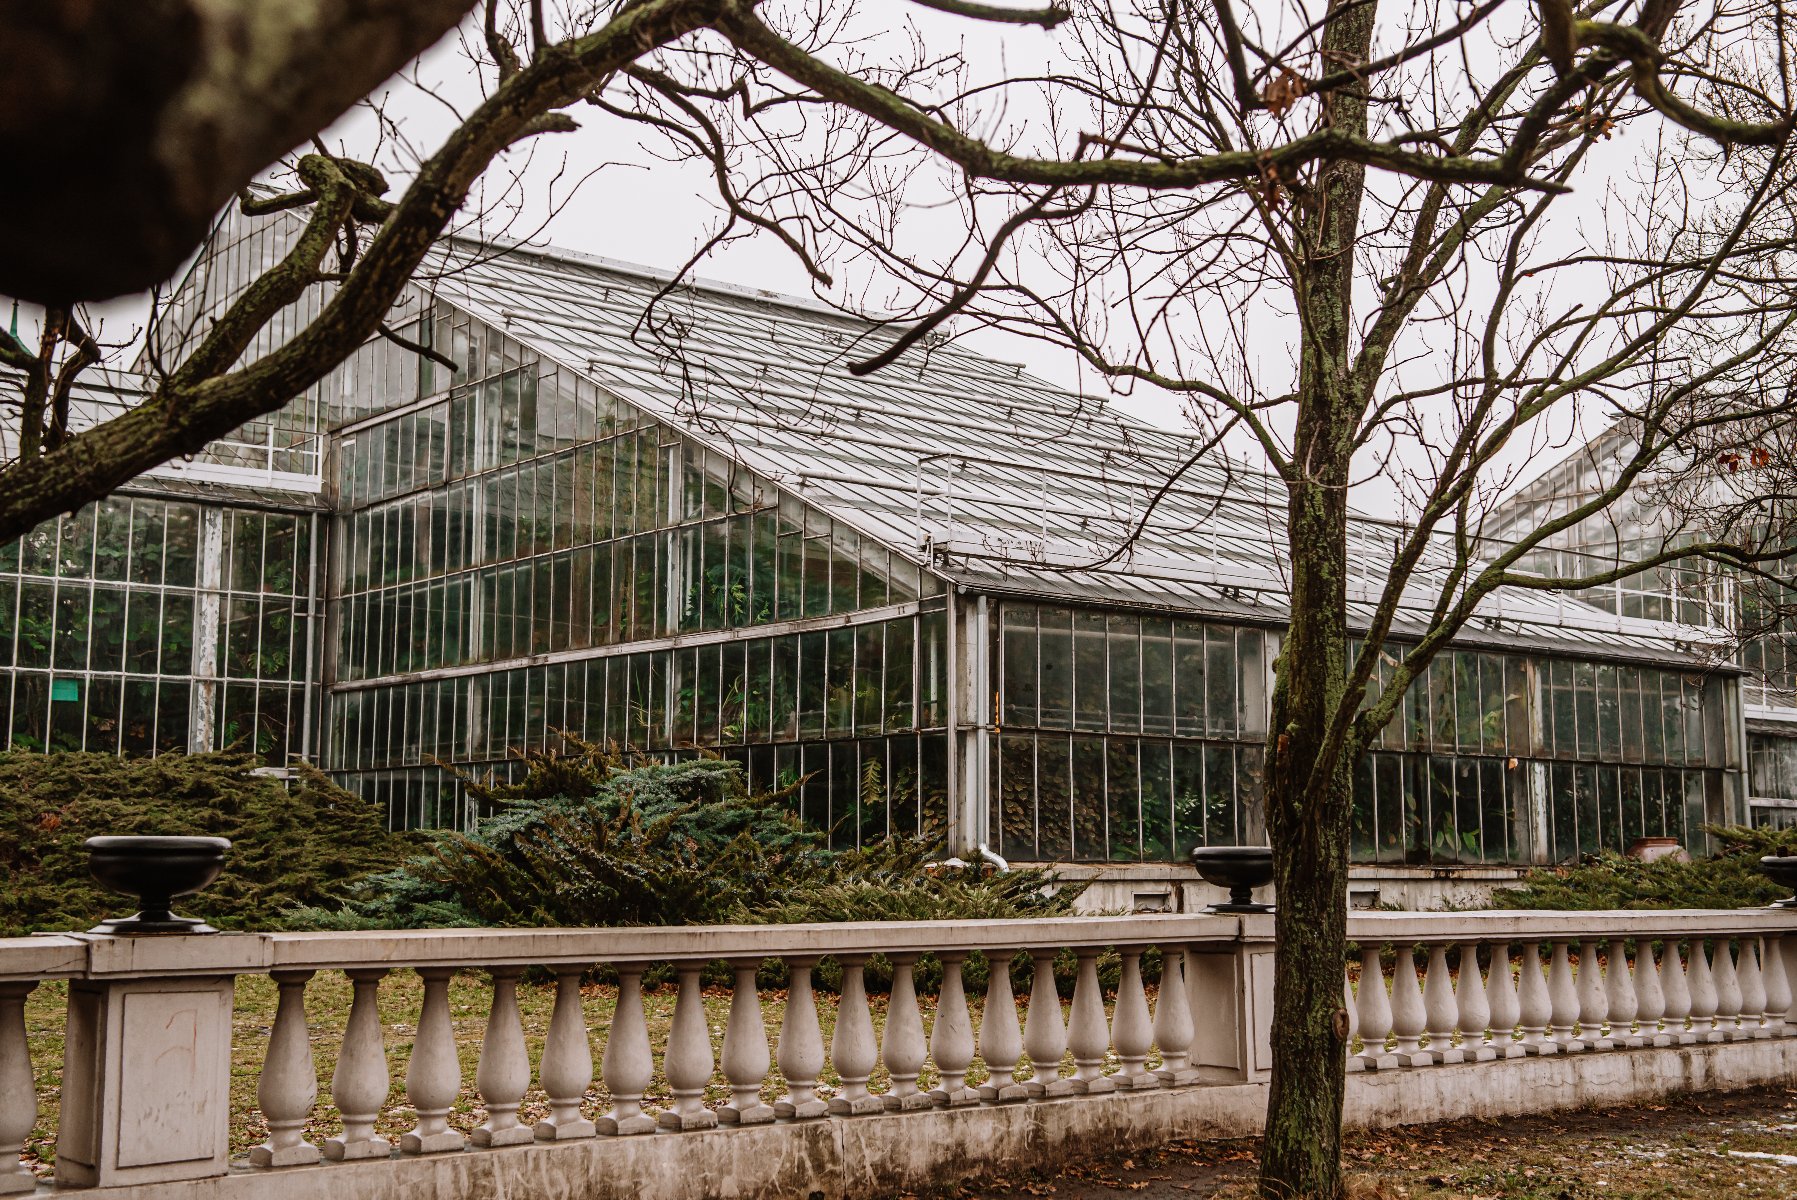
point(835, 1158)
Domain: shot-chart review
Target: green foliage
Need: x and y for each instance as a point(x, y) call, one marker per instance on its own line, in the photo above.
point(587, 839)
point(303, 844)
point(1728, 879)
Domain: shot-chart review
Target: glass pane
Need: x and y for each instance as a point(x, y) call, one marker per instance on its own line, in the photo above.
point(1222, 713)
point(1157, 801)
point(901, 637)
point(1056, 650)
point(1188, 678)
point(1123, 800)
point(1017, 796)
point(1091, 689)
point(1157, 675)
point(1017, 686)
point(1124, 638)
point(1089, 798)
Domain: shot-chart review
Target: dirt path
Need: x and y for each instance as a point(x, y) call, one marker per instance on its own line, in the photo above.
point(1689, 1148)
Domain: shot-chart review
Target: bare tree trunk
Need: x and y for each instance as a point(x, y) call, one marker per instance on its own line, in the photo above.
point(1309, 786)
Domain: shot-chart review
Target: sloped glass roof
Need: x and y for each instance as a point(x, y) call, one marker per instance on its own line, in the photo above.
point(968, 465)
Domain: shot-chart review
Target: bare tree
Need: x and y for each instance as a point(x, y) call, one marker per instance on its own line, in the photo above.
point(1425, 241)
point(1403, 240)
point(136, 122)
point(246, 84)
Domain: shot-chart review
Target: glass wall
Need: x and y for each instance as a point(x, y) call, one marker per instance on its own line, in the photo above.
point(1124, 737)
point(1491, 757)
point(518, 516)
point(519, 513)
point(840, 711)
point(100, 611)
point(1504, 757)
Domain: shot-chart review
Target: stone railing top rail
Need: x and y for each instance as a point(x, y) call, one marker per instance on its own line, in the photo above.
point(103, 956)
point(50, 956)
point(1543, 925)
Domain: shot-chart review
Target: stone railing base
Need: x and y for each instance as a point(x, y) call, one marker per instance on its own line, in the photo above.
point(867, 1157)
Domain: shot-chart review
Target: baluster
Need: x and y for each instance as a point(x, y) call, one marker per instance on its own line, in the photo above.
point(801, 1050)
point(1778, 986)
point(18, 1088)
point(1619, 989)
point(434, 1075)
point(1536, 1003)
point(1676, 983)
point(360, 1081)
point(1087, 1034)
point(1704, 998)
point(1753, 990)
point(1374, 1006)
point(1728, 991)
point(504, 1070)
point(745, 1050)
point(567, 1065)
point(902, 1050)
point(1650, 996)
point(1788, 953)
point(288, 1085)
point(1173, 1027)
point(1502, 1005)
point(1001, 1040)
point(1352, 1010)
point(1594, 1001)
point(1131, 1029)
point(1563, 993)
point(687, 1061)
point(1044, 1031)
point(1474, 1006)
point(627, 1065)
point(852, 1048)
point(1439, 1008)
point(951, 1036)
point(1408, 1017)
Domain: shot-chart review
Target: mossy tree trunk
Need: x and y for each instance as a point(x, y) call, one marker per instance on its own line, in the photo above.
point(1309, 780)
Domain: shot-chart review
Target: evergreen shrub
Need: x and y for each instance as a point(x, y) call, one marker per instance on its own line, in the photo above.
point(588, 838)
point(291, 845)
point(1729, 878)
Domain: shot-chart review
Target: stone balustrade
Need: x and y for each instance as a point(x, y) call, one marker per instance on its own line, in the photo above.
point(149, 1019)
point(145, 1090)
point(1430, 989)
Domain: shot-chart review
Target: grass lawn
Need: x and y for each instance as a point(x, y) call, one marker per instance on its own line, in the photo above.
point(401, 994)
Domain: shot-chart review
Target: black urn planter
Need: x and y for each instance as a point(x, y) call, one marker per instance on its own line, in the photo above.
point(155, 870)
point(1241, 869)
point(1782, 871)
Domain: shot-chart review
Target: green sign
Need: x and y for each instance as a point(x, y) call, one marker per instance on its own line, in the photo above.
point(65, 689)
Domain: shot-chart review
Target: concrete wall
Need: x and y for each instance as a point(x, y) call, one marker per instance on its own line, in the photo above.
point(1175, 887)
point(882, 1155)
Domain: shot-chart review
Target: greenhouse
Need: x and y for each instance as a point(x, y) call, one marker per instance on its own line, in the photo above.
point(669, 518)
point(1751, 616)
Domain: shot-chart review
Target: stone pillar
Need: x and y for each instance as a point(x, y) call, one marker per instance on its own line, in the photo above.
point(146, 1082)
point(1231, 989)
